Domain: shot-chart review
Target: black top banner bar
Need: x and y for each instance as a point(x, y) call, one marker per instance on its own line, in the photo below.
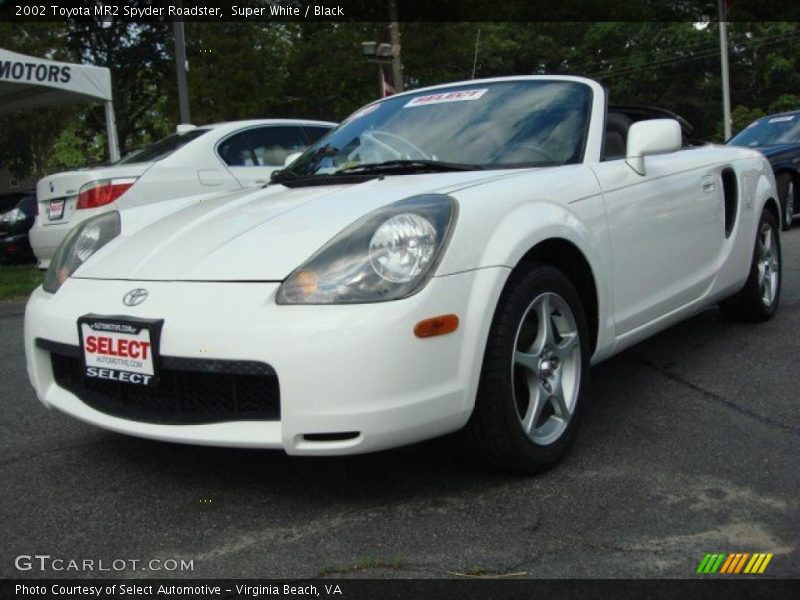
point(408, 10)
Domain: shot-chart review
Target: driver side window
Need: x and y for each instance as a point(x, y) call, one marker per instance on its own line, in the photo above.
point(235, 152)
point(262, 146)
point(271, 145)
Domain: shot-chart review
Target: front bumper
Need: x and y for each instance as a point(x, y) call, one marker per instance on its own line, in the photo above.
point(347, 368)
point(45, 240)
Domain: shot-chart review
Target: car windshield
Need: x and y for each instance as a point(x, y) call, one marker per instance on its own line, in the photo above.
point(497, 125)
point(162, 148)
point(781, 129)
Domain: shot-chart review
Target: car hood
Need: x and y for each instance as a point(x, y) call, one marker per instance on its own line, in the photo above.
point(777, 150)
point(255, 234)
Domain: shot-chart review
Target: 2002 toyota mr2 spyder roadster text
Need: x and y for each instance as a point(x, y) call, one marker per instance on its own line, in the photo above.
point(452, 258)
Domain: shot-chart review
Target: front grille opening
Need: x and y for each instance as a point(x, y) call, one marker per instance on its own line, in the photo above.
point(331, 437)
point(190, 391)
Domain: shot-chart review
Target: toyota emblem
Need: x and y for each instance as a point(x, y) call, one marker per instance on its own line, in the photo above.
point(135, 297)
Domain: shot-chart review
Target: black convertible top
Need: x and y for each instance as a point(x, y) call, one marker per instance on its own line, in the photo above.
point(643, 113)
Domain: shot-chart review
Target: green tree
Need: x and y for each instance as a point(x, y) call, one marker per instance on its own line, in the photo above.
point(140, 59)
point(785, 103)
point(326, 75)
point(237, 70)
point(741, 117)
point(316, 70)
point(26, 138)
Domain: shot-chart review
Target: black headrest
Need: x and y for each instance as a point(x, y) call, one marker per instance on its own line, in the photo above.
point(616, 136)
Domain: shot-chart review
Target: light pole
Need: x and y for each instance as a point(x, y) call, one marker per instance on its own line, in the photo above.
point(394, 38)
point(726, 84)
point(181, 66)
point(383, 55)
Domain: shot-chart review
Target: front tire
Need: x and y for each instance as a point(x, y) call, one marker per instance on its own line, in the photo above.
point(535, 375)
point(758, 300)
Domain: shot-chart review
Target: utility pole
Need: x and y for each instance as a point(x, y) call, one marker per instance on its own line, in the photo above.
point(181, 66)
point(726, 84)
point(380, 54)
point(394, 39)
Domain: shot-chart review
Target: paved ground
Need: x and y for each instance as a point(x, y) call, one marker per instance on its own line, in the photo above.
point(692, 446)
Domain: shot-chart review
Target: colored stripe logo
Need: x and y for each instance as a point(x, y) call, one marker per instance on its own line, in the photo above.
point(734, 563)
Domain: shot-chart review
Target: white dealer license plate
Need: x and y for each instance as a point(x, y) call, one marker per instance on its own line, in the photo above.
point(120, 349)
point(55, 210)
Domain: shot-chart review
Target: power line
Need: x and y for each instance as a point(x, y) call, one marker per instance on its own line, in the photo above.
point(642, 52)
point(678, 59)
point(754, 43)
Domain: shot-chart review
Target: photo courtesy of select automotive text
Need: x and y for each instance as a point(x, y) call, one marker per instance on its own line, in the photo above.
point(399, 300)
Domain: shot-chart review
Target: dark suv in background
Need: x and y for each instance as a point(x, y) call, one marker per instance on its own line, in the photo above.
point(17, 214)
point(778, 138)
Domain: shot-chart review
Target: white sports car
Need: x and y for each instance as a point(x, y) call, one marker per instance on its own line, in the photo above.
point(195, 160)
point(453, 258)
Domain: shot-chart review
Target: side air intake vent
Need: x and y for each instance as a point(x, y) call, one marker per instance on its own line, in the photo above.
point(730, 190)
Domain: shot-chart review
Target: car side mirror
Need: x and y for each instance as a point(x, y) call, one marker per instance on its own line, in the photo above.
point(654, 136)
point(291, 158)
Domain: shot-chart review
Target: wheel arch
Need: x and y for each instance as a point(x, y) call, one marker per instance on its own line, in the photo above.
point(568, 258)
point(765, 193)
point(569, 234)
point(793, 173)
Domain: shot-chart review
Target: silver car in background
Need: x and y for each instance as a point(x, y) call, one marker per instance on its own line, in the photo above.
point(193, 161)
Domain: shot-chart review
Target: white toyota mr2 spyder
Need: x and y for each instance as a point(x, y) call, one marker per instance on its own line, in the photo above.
point(448, 259)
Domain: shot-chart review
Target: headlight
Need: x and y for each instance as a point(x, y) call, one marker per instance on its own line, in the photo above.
point(402, 247)
point(80, 243)
point(387, 255)
point(13, 216)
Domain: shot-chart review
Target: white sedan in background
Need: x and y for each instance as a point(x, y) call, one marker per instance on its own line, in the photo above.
point(193, 161)
point(452, 258)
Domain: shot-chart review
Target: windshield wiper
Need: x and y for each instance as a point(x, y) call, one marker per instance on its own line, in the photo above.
point(287, 174)
point(369, 171)
point(282, 175)
point(409, 165)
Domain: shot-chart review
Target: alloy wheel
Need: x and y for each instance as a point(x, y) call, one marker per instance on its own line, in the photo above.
point(546, 368)
point(768, 265)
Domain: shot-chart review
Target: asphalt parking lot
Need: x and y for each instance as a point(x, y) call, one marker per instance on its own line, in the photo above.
point(691, 446)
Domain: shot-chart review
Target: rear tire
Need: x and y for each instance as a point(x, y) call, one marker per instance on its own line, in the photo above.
point(758, 300)
point(535, 375)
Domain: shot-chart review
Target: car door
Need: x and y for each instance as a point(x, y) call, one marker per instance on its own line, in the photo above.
point(253, 154)
point(665, 234)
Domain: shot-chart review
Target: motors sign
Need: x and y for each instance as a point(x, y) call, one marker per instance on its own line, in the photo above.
point(34, 72)
point(19, 70)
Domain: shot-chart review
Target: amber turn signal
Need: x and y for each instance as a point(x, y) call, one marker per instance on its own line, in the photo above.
point(305, 283)
point(434, 326)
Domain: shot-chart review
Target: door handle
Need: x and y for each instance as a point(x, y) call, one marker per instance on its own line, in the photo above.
point(708, 184)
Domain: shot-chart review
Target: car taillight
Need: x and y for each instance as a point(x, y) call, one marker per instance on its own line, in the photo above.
point(102, 192)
